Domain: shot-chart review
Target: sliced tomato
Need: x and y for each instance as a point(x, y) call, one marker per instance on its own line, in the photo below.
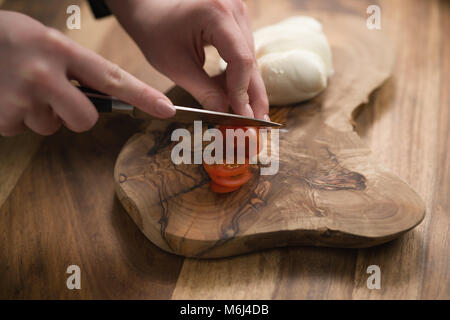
point(232, 181)
point(217, 188)
point(223, 129)
point(229, 177)
point(226, 170)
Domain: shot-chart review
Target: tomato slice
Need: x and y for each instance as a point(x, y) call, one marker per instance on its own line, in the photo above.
point(226, 170)
point(223, 129)
point(232, 181)
point(217, 188)
point(226, 178)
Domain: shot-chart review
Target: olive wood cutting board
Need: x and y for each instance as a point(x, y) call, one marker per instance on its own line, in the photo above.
point(329, 191)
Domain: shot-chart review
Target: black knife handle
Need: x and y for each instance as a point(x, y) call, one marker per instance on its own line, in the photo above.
point(102, 105)
point(101, 101)
point(90, 91)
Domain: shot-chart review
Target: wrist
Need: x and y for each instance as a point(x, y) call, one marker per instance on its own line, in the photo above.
point(135, 16)
point(130, 9)
point(120, 7)
point(140, 18)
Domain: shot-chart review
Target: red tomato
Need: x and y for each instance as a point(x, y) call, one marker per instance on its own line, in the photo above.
point(226, 170)
point(232, 181)
point(217, 188)
point(229, 177)
point(223, 129)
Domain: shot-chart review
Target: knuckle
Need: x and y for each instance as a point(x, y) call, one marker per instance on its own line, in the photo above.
point(223, 6)
point(246, 60)
point(114, 77)
point(212, 99)
point(240, 6)
point(37, 72)
point(56, 42)
point(23, 108)
point(18, 101)
point(241, 93)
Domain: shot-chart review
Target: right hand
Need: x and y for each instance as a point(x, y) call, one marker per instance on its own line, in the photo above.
point(36, 66)
point(172, 35)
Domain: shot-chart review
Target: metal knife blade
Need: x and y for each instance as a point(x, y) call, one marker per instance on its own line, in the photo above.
point(189, 115)
point(105, 103)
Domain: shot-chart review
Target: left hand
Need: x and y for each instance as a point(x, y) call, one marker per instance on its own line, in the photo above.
point(172, 35)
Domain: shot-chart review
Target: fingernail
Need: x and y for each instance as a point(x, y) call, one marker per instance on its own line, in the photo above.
point(164, 108)
point(266, 117)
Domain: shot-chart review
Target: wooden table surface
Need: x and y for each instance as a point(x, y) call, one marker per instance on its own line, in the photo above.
point(58, 208)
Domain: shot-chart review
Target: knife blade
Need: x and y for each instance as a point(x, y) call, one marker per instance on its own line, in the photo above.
point(108, 104)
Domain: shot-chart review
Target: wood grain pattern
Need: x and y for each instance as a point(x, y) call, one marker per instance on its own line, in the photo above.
point(18, 151)
point(15, 160)
point(62, 209)
point(405, 124)
point(396, 126)
point(70, 216)
point(328, 191)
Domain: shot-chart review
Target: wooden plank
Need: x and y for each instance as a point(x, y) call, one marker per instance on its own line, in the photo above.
point(252, 276)
point(409, 149)
point(435, 282)
point(408, 131)
point(18, 151)
point(16, 155)
point(328, 190)
point(406, 125)
point(63, 211)
point(289, 273)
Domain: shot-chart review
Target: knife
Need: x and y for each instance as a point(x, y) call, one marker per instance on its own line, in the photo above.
point(105, 103)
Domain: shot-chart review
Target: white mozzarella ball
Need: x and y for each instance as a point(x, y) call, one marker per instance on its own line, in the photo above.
point(294, 58)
